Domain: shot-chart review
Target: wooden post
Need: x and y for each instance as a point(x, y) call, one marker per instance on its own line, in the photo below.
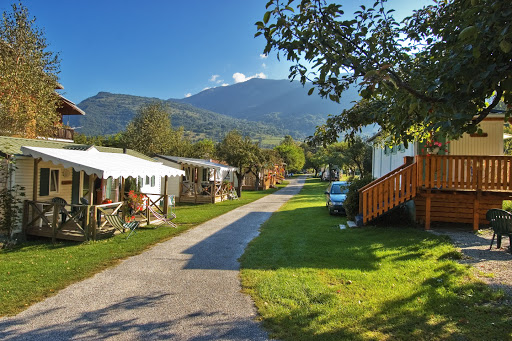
point(196, 179)
point(94, 223)
point(34, 180)
point(91, 188)
point(476, 207)
point(121, 192)
point(87, 226)
point(166, 196)
point(55, 221)
point(427, 210)
point(148, 218)
point(214, 187)
point(24, 220)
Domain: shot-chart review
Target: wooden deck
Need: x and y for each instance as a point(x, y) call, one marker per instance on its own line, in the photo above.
point(85, 222)
point(444, 188)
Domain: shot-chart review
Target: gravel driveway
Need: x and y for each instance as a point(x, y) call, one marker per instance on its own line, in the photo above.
point(186, 288)
point(494, 266)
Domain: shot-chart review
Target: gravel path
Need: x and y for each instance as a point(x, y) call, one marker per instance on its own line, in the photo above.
point(494, 266)
point(186, 288)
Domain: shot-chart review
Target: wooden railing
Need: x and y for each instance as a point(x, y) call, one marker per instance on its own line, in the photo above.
point(435, 172)
point(86, 220)
point(389, 191)
point(64, 133)
point(484, 173)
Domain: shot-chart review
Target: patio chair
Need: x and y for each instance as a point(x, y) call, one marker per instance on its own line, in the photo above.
point(120, 225)
point(501, 223)
point(162, 218)
point(232, 195)
point(62, 202)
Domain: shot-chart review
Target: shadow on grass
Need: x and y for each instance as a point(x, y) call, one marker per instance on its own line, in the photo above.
point(446, 306)
point(128, 319)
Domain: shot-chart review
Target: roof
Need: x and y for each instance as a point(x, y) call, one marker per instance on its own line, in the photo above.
point(12, 146)
point(103, 164)
point(196, 162)
point(69, 108)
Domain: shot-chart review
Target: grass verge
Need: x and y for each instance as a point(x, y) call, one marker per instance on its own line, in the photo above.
point(37, 269)
point(311, 280)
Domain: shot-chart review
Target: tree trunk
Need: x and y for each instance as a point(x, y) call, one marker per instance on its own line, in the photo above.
point(240, 177)
point(257, 180)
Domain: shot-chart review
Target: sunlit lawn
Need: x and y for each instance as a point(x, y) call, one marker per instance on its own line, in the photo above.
point(313, 281)
point(37, 269)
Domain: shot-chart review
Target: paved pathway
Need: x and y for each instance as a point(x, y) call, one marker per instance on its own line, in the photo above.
point(186, 288)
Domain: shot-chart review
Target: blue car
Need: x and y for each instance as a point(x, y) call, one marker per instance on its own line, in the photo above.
point(336, 194)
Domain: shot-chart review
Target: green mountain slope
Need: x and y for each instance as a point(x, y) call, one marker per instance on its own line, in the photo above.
point(263, 109)
point(108, 113)
point(283, 103)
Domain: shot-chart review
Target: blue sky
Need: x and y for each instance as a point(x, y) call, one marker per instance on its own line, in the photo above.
point(160, 48)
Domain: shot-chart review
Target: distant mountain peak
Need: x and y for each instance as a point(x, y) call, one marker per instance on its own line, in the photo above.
point(257, 107)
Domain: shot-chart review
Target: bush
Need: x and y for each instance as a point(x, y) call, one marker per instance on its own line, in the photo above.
point(507, 205)
point(351, 203)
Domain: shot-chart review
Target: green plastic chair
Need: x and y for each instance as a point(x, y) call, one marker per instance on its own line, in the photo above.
point(120, 225)
point(501, 223)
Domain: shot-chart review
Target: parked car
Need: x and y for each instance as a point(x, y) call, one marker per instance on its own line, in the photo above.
point(335, 195)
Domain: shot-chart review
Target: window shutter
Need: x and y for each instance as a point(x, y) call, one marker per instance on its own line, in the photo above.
point(44, 182)
point(75, 187)
point(153, 181)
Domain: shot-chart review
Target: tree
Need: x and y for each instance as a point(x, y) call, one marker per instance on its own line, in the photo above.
point(355, 155)
point(443, 69)
point(265, 159)
point(292, 154)
point(204, 149)
point(239, 152)
point(316, 157)
point(150, 131)
point(28, 78)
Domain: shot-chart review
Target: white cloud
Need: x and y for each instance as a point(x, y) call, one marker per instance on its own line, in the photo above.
point(240, 77)
point(188, 95)
point(264, 65)
point(214, 78)
point(206, 88)
point(225, 84)
point(263, 56)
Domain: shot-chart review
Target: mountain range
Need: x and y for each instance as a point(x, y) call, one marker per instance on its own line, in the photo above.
point(260, 108)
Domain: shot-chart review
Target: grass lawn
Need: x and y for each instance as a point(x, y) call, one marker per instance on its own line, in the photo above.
point(35, 270)
point(313, 281)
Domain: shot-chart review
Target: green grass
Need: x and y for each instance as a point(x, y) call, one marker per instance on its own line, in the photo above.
point(312, 281)
point(35, 270)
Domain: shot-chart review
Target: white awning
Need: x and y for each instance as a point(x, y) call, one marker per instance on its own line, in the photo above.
point(104, 165)
point(222, 170)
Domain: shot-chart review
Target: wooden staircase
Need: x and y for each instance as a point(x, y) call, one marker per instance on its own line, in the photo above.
point(454, 188)
point(388, 191)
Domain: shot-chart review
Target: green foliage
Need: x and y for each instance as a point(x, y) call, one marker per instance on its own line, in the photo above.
point(354, 155)
point(351, 203)
point(204, 149)
point(434, 71)
point(239, 152)
point(312, 281)
point(109, 113)
point(150, 131)
point(292, 154)
point(28, 78)
point(11, 198)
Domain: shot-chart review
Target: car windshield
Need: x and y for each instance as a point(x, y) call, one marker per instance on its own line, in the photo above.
point(338, 189)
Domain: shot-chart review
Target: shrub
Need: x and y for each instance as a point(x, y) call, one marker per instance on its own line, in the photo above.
point(351, 203)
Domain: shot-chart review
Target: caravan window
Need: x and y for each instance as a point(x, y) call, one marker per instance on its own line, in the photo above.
point(54, 180)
